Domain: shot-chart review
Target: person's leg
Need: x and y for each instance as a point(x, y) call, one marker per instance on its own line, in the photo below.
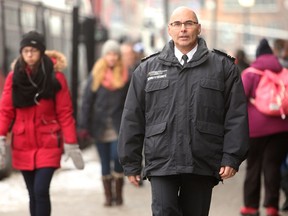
point(104, 154)
point(284, 183)
point(43, 177)
point(118, 175)
point(195, 194)
point(29, 181)
point(275, 153)
point(117, 166)
point(252, 182)
point(105, 158)
point(165, 200)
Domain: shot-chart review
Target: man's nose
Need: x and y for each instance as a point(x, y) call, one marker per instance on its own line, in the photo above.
point(183, 27)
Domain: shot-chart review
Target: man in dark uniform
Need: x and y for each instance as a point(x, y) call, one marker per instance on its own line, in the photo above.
point(186, 111)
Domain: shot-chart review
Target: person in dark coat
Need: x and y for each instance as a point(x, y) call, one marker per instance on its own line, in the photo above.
point(37, 107)
point(102, 106)
point(241, 60)
point(186, 112)
point(268, 141)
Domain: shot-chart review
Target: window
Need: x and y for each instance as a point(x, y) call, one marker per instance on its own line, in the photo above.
point(259, 5)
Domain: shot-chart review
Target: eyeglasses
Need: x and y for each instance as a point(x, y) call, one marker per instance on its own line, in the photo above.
point(188, 24)
point(32, 51)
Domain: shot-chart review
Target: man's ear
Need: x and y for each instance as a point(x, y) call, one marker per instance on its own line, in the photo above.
point(199, 29)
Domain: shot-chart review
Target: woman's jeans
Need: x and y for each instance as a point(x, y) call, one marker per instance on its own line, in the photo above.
point(108, 152)
point(38, 184)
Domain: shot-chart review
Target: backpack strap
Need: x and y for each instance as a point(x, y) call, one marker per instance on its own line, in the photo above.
point(253, 70)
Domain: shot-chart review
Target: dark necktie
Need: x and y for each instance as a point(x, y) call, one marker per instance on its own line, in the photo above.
point(185, 58)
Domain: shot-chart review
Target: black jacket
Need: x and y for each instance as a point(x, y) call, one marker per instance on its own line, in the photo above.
point(98, 106)
point(190, 119)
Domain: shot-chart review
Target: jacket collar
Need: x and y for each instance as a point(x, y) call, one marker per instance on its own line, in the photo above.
point(168, 57)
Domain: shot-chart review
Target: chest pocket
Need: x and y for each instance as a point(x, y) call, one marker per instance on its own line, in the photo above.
point(211, 93)
point(157, 93)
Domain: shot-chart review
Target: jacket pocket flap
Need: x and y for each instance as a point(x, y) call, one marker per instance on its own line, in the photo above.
point(155, 129)
point(210, 128)
point(212, 84)
point(156, 85)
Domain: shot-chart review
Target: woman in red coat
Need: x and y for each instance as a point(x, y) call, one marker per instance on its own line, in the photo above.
point(36, 106)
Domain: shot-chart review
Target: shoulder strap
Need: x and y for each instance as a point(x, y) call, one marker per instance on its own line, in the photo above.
point(219, 52)
point(149, 56)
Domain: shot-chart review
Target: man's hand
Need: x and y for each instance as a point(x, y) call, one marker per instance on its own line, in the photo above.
point(135, 180)
point(227, 172)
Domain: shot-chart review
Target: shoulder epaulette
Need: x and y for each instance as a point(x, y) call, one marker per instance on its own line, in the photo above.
point(224, 54)
point(149, 56)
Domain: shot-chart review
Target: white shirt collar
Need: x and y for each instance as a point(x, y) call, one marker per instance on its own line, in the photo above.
point(179, 55)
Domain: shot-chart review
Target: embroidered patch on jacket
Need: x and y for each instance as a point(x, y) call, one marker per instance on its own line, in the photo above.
point(156, 75)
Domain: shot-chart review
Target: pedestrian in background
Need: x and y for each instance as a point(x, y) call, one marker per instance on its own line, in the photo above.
point(268, 141)
point(280, 49)
point(186, 108)
point(36, 105)
point(241, 60)
point(129, 56)
point(101, 111)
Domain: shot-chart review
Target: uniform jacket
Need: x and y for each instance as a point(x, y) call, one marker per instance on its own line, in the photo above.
point(38, 131)
point(190, 119)
point(98, 106)
point(273, 124)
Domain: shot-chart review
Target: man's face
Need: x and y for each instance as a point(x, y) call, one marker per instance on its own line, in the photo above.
point(184, 29)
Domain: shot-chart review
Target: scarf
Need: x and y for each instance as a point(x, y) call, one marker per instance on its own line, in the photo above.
point(108, 81)
point(28, 88)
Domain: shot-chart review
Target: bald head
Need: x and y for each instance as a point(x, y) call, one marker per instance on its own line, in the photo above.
point(182, 11)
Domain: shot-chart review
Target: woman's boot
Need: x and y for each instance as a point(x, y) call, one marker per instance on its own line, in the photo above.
point(107, 183)
point(119, 182)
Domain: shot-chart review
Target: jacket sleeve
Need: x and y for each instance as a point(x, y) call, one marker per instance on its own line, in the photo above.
point(64, 111)
point(236, 138)
point(7, 111)
point(132, 127)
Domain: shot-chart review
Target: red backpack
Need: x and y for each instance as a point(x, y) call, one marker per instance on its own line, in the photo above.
point(271, 93)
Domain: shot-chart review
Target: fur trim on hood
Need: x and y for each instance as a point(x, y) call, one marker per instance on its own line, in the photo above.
point(59, 60)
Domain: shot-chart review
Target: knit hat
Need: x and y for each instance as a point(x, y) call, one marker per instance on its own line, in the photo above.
point(263, 48)
point(33, 39)
point(110, 46)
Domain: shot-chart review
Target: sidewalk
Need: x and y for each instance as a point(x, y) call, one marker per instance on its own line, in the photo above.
point(80, 193)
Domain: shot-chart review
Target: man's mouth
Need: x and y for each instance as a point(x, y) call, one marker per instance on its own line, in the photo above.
point(183, 37)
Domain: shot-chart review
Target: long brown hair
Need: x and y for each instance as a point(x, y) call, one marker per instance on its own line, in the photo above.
point(98, 73)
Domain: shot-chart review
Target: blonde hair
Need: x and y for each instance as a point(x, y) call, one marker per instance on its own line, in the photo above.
point(98, 72)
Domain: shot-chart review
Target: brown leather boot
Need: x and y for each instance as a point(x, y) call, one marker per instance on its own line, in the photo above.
point(119, 182)
point(107, 183)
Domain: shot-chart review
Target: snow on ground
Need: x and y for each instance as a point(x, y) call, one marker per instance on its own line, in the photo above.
point(13, 193)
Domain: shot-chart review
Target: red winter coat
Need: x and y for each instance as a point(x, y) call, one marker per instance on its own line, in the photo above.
point(38, 131)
